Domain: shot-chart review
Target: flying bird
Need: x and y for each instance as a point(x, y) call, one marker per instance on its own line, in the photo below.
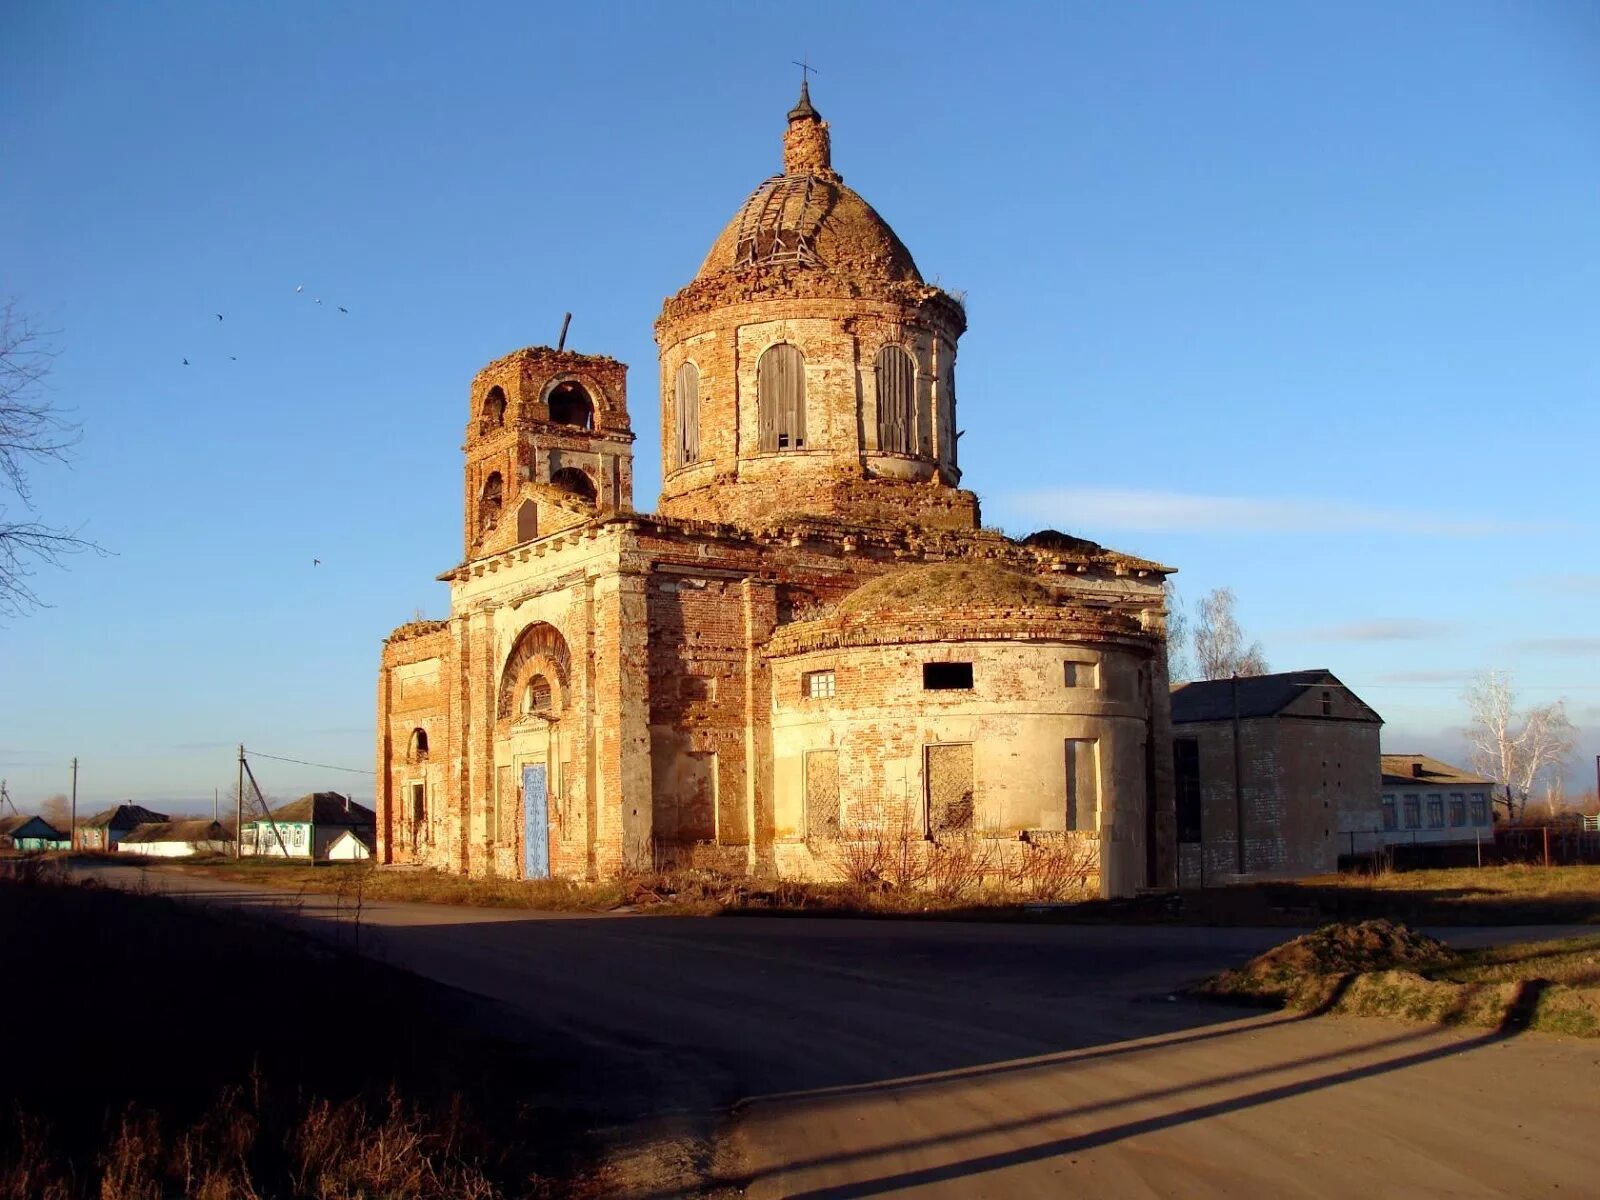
point(319, 301)
point(233, 358)
point(344, 310)
point(316, 562)
point(219, 316)
point(298, 288)
point(186, 362)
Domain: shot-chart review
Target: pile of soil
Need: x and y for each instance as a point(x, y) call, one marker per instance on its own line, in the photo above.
point(1360, 946)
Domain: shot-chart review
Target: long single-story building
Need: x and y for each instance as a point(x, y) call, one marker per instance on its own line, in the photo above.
point(1429, 802)
point(177, 839)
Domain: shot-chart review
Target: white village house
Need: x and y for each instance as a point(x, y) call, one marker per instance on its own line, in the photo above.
point(321, 826)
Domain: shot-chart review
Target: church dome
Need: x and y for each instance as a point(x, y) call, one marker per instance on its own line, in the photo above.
point(811, 221)
point(808, 218)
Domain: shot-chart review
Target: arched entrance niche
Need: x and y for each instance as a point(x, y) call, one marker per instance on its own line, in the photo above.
point(529, 817)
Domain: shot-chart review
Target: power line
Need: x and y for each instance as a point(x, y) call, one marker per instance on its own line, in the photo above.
point(303, 763)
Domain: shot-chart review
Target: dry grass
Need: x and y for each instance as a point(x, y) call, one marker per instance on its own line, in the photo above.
point(884, 872)
point(1378, 968)
point(171, 1049)
point(418, 886)
point(1514, 894)
point(958, 584)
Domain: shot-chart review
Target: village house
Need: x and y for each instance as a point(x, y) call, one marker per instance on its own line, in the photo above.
point(813, 642)
point(1273, 775)
point(320, 826)
point(30, 835)
point(177, 839)
point(104, 831)
point(1428, 802)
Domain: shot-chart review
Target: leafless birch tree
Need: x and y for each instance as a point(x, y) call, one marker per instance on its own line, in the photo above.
point(32, 430)
point(1180, 667)
point(1219, 645)
point(1514, 748)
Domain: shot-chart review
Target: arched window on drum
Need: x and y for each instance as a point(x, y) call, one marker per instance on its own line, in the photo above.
point(686, 415)
point(781, 398)
point(896, 377)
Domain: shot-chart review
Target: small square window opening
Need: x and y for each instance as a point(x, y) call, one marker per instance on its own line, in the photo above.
point(947, 677)
point(817, 685)
point(1081, 675)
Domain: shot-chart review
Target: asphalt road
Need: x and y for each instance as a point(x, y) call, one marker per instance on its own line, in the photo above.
point(878, 1058)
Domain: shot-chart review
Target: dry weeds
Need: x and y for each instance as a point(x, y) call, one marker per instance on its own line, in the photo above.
point(1379, 968)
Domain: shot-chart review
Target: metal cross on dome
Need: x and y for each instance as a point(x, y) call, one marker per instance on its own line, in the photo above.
point(806, 69)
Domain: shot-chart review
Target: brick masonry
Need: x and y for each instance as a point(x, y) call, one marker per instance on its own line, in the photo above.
point(655, 664)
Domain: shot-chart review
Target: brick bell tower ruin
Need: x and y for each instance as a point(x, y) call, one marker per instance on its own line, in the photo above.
point(812, 645)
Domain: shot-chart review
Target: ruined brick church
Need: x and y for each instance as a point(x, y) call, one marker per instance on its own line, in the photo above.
point(811, 641)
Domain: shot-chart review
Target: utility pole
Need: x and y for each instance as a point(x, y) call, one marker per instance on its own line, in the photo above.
point(238, 829)
point(216, 804)
point(72, 834)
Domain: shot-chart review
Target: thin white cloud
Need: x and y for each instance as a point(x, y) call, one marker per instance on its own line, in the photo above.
point(1560, 645)
point(1181, 512)
point(1398, 629)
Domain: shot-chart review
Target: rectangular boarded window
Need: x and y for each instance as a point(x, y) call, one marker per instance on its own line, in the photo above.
point(506, 799)
point(950, 787)
point(1458, 808)
point(822, 795)
point(419, 812)
point(1186, 778)
point(817, 685)
point(1081, 675)
point(1435, 811)
point(947, 677)
point(1083, 783)
point(1391, 819)
point(1413, 812)
point(1480, 809)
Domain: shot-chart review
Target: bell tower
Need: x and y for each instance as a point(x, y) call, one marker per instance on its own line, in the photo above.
point(548, 446)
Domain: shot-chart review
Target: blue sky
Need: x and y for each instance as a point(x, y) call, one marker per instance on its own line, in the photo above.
point(1301, 299)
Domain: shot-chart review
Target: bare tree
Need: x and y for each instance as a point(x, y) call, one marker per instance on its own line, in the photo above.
point(1180, 667)
point(1514, 748)
point(32, 430)
point(57, 810)
point(1219, 646)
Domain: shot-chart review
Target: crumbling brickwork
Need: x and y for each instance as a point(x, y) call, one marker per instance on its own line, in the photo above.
point(728, 680)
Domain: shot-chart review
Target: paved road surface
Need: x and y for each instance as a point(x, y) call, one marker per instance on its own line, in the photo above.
point(878, 1058)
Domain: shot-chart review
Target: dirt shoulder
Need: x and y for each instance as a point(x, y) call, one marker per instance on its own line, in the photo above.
point(1379, 968)
point(1505, 895)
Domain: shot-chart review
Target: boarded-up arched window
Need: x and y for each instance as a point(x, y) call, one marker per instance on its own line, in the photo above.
point(537, 696)
point(781, 398)
point(686, 409)
point(419, 745)
point(896, 380)
point(494, 408)
point(947, 418)
point(527, 521)
point(489, 505)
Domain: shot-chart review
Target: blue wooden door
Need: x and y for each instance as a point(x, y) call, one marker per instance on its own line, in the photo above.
point(535, 824)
